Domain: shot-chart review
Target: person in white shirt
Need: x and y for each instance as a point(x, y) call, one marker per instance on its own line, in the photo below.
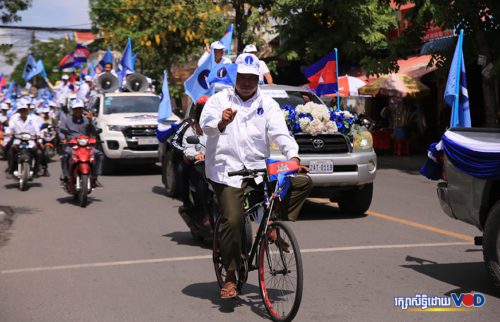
point(263, 69)
point(62, 90)
point(218, 48)
point(240, 125)
point(84, 90)
point(24, 124)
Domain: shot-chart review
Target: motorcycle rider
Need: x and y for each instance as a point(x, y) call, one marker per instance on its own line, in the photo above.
point(74, 125)
point(194, 157)
point(23, 124)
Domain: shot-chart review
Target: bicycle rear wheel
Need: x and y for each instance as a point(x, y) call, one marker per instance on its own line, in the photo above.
point(280, 273)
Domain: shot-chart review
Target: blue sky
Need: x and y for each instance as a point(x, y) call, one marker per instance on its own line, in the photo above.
point(56, 13)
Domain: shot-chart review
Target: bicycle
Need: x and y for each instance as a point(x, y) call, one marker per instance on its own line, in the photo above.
point(279, 261)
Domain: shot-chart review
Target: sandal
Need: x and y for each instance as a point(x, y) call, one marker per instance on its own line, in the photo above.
point(229, 291)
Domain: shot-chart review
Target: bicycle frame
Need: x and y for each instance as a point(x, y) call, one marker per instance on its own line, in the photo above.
point(267, 204)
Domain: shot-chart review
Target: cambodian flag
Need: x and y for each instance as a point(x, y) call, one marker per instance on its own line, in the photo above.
point(322, 75)
point(81, 53)
point(67, 61)
point(3, 82)
point(279, 171)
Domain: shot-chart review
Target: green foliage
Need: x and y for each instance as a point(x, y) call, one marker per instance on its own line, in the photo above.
point(358, 28)
point(10, 8)
point(164, 32)
point(50, 53)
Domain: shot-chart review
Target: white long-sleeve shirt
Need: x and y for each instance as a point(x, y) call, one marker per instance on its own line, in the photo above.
point(18, 126)
point(191, 150)
point(246, 141)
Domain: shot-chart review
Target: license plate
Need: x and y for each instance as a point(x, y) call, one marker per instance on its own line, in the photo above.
point(321, 166)
point(147, 141)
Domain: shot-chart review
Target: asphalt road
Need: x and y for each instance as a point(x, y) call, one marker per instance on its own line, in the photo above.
point(129, 257)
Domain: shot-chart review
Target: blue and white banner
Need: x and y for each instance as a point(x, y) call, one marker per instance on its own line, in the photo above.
point(223, 73)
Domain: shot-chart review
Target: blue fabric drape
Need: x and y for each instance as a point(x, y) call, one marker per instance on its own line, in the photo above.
point(483, 165)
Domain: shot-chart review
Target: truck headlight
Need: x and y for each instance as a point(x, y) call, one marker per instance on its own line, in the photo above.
point(117, 128)
point(363, 141)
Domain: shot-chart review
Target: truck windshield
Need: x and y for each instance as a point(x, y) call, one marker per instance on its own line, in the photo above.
point(292, 98)
point(131, 104)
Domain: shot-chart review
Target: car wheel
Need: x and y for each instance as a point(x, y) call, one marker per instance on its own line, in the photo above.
point(356, 201)
point(491, 244)
point(168, 167)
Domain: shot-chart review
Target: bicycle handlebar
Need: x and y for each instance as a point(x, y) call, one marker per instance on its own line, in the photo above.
point(246, 172)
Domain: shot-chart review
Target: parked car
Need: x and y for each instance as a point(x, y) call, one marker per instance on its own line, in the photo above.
point(340, 170)
point(475, 201)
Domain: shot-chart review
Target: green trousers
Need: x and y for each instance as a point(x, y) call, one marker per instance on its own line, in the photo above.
point(231, 202)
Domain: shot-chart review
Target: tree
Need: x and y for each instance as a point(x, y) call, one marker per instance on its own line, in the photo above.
point(8, 13)
point(50, 53)
point(10, 8)
point(358, 28)
point(164, 32)
point(481, 30)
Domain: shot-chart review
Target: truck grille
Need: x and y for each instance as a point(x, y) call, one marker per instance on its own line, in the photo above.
point(332, 143)
point(130, 132)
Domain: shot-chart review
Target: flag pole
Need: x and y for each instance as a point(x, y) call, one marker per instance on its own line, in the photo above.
point(337, 71)
point(457, 87)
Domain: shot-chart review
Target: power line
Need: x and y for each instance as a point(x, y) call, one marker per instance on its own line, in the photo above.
point(32, 28)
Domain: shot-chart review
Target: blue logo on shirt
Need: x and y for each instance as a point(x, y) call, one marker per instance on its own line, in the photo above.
point(260, 111)
point(248, 60)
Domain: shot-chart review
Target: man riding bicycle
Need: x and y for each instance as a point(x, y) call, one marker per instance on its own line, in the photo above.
point(240, 125)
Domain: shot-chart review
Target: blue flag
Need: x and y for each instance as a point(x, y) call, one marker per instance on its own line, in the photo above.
point(165, 107)
point(223, 73)
point(127, 62)
point(456, 94)
point(227, 39)
point(107, 58)
point(197, 86)
point(30, 64)
point(10, 91)
point(35, 70)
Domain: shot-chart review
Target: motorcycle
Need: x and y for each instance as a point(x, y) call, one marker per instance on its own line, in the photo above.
point(49, 142)
point(81, 164)
point(191, 217)
point(24, 172)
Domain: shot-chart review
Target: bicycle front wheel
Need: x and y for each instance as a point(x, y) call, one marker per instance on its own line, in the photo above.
point(280, 273)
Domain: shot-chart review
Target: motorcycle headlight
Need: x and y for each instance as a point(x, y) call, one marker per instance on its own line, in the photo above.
point(117, 128)
point(83, 142)
point(25, 137)
point(363, 141)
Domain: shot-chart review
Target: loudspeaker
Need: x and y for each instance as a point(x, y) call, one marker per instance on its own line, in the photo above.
point(136, 83)
point(107, 83)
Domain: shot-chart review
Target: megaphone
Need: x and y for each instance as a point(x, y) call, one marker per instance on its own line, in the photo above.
point(107, 83)
point(136, 83)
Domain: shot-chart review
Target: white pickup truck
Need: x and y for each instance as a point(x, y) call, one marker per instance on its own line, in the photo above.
point(128, 121)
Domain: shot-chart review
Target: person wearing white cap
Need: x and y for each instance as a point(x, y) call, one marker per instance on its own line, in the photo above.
point(263, 69)
point(77, 124)
point(240, 124)
point(62, 90)
point(218, 48)
point(84, 90)
point(3, 114)
point(24, 124)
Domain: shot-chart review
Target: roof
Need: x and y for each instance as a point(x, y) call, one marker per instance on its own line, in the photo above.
point(415, 66)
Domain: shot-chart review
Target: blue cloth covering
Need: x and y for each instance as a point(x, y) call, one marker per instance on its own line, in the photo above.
point(483, 165)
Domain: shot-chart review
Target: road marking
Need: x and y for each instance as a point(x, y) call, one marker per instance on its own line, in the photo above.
point(190, 258)
point(421, 226)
